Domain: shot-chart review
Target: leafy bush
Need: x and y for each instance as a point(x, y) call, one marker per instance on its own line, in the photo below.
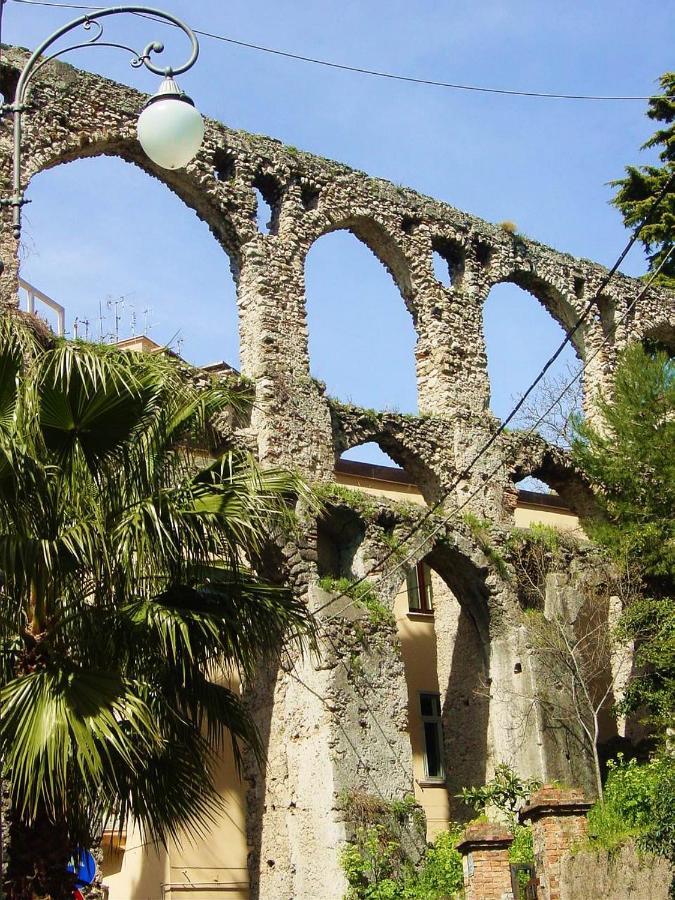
point(441, 875)
point(639, 803)
point(507, 792)
point(521, 852)
point(377, 870)
point(373, 866)
point(376, 864)
point(522, 848)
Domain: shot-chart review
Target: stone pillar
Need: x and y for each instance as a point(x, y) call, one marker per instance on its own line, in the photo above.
point(290, 414)
point(558, 817)
point(485, 854)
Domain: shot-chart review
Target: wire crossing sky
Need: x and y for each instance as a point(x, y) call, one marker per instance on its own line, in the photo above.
point(103, 238)
point(358, 69)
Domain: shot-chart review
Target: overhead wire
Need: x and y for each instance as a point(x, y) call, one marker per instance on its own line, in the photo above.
point(483, 449)
point(568, 336)
point(504, 423)
point(447, 520)
point(361, 70)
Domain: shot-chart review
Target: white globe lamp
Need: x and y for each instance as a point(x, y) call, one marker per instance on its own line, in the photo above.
point(170, 129)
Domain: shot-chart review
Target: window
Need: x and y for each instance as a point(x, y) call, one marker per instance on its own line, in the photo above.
point(430, 709)
point(420, 596)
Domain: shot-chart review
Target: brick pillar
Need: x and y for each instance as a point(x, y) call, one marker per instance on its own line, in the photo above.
point(485, 854)
point(558, 818)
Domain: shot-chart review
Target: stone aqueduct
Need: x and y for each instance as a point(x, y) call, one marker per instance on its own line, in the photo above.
point(324, 732)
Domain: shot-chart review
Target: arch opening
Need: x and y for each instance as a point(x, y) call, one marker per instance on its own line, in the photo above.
point(97, 239)
point(340, 533)
point(386, 466)
point(361, 337)
point(445, 654)
point(448, 262)
point(520, 336)
point(370, 452)
point(267, 192)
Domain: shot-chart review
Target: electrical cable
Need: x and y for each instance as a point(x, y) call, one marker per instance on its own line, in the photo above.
point(446, 521)
point(504, 423)
point(568, 335)
point(531, 430)
point(360, 70)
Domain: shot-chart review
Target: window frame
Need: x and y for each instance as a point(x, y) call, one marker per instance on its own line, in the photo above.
point(437, 721)
point(421, 572)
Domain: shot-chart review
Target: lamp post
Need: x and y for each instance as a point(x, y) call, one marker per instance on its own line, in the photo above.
point(169, 128)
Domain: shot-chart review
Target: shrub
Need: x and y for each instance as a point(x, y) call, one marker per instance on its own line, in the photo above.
point(507, 792)
point(376, 868)
point(441, 875)
point(639, 803)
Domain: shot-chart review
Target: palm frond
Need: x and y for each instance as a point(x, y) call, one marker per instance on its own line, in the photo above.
point(58, 722)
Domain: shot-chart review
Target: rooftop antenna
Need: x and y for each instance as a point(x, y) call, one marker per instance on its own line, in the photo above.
point(75, 327)
point(116, 304)
point(147, 324)
point(101, 318)
point(133, 322)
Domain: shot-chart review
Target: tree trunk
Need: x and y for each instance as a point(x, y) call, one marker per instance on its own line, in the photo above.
point(596, 763)
point(38, 857)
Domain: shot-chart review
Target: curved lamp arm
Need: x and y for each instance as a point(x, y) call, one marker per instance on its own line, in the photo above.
point(37, 60)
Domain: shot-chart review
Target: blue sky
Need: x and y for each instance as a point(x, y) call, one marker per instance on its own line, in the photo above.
point(99, 229)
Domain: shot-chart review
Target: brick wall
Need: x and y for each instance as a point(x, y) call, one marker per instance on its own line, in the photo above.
point(485, 853)
point(558, 818)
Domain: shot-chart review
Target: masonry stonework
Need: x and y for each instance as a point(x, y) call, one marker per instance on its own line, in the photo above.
point(558, 818)
point(337, 720)
point(485, 855)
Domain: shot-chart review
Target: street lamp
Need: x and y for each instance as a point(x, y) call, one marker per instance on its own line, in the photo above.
point(170, 129)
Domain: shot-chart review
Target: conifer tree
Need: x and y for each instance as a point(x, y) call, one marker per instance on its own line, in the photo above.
point(642, 184)
point(630, 460)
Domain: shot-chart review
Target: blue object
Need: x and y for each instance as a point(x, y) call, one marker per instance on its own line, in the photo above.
point(83, 865)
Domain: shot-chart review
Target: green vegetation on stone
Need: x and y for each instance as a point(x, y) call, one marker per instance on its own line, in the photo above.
point(363, 594)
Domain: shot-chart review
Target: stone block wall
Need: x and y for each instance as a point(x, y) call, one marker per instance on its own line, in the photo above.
point(624, 874)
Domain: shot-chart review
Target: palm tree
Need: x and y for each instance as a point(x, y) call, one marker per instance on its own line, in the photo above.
point(127, 597)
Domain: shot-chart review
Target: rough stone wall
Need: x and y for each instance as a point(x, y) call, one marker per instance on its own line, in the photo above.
point(337, 720)
point(624, 874)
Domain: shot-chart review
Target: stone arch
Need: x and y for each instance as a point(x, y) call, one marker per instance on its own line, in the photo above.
point(355, 321)
point(340, 534)
point(75, 114)
point(402, 452)
point(553, 467)
point(449, 654)
point(660, 336)
point(526, 312)
point(104, 250)
point(378, 239)
point(185, 185)
point(553, 297)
